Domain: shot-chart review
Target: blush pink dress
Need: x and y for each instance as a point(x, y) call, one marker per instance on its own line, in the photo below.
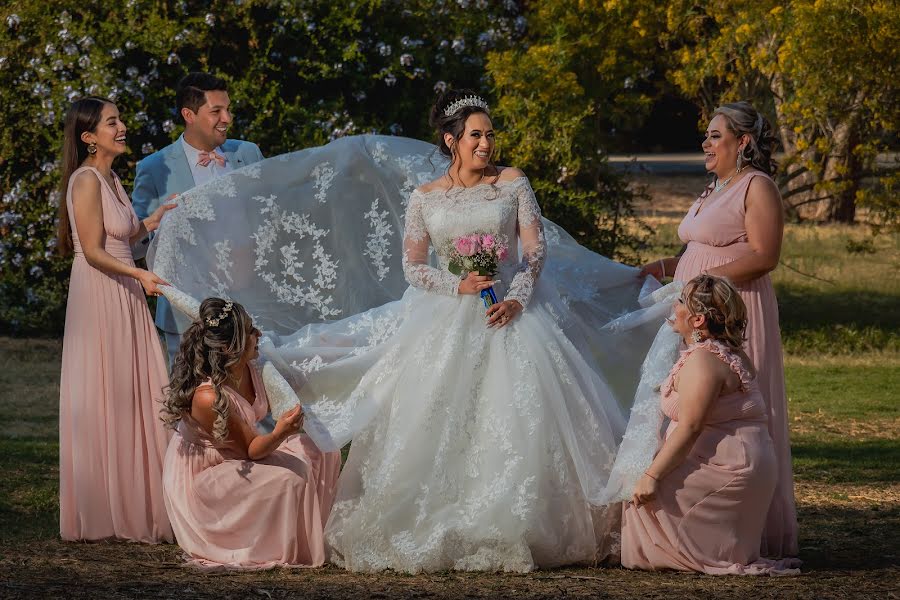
point(229, 511)
point(716, 236)
point(708, 515)
point(111, 439)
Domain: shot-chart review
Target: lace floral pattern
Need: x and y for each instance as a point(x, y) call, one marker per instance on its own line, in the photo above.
point(473, 448)
point(508, 207)
point(288, 285)
point(378, 240)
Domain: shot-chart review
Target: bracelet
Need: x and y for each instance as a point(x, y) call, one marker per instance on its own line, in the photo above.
point(662, 266)
point(647, 473)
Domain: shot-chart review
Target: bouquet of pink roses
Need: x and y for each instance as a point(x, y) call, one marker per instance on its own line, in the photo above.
point(478, 253)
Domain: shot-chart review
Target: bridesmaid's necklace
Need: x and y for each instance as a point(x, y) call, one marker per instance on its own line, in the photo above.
point(720, 185)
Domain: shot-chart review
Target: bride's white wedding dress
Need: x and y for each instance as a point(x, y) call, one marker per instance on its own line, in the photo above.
point(473, 448)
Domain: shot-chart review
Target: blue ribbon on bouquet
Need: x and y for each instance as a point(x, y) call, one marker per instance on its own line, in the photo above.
point(489, 297)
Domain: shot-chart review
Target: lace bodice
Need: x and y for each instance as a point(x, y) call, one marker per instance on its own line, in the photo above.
point(508, 208)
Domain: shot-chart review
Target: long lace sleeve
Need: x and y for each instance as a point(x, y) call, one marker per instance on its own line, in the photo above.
point(415, 254)
point(534, 247)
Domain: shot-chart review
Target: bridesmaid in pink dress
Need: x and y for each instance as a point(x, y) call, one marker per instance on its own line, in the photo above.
point(734, 230)
point(238, 498)
point(111, 439)
point(699, 506)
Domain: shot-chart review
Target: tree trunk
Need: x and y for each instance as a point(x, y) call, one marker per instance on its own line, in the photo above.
point(790, 180)
point(844, 169)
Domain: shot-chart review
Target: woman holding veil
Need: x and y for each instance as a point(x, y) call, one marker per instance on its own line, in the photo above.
point(482, 435)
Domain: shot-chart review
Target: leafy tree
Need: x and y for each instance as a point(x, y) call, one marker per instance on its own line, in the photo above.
point(827, 70)
point(582, 73)
point(300, 73)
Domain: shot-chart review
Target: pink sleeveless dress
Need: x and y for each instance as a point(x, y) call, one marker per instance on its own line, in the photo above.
point(111, 439)
point(714, 237)
point(229, 511)
point(708, 515)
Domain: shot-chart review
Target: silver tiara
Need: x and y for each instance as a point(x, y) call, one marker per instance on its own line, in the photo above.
point(467, 101)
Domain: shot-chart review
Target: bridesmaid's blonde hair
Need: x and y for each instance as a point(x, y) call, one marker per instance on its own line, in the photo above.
point(214, 343)
point(721, 304)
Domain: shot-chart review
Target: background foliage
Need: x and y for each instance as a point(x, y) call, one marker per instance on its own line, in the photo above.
point(570, 81)
point(826, 70)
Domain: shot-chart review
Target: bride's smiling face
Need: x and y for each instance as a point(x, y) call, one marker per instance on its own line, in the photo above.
point(476, 144)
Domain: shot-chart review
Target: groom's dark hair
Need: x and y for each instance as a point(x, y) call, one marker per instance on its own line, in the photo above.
point(191, 91)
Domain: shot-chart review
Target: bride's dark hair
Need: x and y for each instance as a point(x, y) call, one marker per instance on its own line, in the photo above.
point(454, 124)
point(215, 342)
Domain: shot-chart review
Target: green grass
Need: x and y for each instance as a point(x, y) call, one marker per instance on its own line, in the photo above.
point(29, 442)
point(845, 390)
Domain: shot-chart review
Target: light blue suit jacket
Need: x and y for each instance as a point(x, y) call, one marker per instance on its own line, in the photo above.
point(165, 173)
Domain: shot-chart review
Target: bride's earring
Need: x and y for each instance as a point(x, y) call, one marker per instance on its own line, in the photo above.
point(696, 336)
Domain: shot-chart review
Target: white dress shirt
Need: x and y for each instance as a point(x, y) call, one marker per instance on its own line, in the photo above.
point(211, 171)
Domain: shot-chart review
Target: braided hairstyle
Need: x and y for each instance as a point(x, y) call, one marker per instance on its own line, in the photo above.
point(215, 342)
point(454, 124)
point(718, 300)
point(742, 119)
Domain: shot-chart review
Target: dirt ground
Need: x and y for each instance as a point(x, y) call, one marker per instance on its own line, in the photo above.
point(52, 569)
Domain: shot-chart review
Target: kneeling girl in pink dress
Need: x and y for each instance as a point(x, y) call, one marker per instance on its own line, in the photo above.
point(235, 497)
point(702, 503)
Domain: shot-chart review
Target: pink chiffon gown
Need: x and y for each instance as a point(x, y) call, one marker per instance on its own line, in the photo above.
point(111, 439)
point(231, 512)
point(709, 513)
point(716, 236)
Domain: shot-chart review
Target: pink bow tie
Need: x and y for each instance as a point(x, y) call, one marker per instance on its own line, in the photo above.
point(204, 158)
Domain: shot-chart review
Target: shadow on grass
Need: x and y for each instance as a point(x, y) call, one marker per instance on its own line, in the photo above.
point(29, 489)
point(839, 537)
point(847, 461)
point(841, 321)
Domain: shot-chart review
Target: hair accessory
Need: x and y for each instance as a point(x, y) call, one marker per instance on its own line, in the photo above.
point(225, 310)
point(463, 102)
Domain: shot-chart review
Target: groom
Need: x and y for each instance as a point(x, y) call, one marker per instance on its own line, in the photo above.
point(202, 153)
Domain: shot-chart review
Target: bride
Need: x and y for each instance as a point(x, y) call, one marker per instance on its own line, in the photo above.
point(481, 436)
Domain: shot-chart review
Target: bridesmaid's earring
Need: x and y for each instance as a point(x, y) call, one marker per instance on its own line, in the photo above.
point(740, 160)
point(92, 148)
point(696, 337)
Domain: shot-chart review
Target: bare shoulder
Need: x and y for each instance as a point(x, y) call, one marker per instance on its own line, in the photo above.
point(509, 173)
point(702, 363)
point(86, 185)
point(204, 397)
point(763, 190)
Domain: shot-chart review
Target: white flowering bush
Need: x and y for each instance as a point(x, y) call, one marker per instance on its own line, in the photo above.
point(300, 73)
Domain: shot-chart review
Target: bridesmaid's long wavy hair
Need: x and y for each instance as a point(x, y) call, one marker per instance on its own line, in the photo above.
point(209, 348)
point(454, 124)
point(83, 116)
point(718, 300)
